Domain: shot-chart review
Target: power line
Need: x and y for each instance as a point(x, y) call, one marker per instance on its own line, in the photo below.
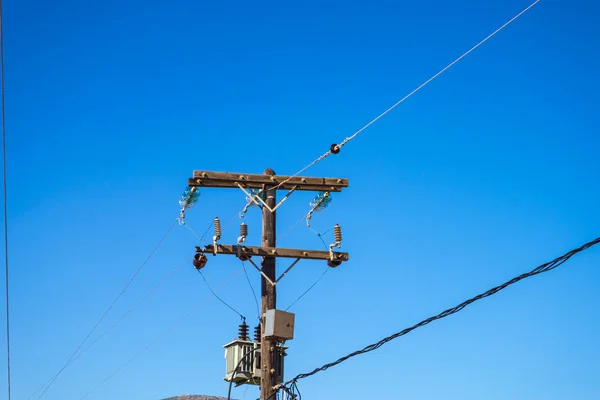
point(164, 333)
point(5, 201)
point(200, 238)
point(154, 289)
point(336, 148)
point(291, 228)
point(125, 314)
point(327, 268)
point(218, 297)
point(109, 307)
point(541, 269)
point(309, 288)
point(252, 289)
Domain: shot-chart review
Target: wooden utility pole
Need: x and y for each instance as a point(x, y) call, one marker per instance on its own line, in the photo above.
point(268, 183)
point(269, 292)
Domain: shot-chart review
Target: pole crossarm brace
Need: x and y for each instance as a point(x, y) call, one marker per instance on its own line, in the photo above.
point(262, 273)
point(262, 202)
point(257, 181)
point(253, 251)
point(280, 277)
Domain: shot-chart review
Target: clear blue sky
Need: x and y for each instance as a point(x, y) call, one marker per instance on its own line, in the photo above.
point(486, 173)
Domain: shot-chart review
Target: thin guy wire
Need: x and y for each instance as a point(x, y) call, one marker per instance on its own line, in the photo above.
point(253, 291)
point(200, 238)
point(309, 288)
point(320, 237)
point(541, 269)
point(164, 333)
point(204, 278)
point(236, 216)
point(291, 228)
point(327, 268)
point(5, 203)
point(162, 282)
point(345, 141)
point(110, 307)
point(217, 296)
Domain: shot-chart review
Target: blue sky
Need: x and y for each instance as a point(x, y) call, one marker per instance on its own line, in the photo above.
point(486, 173)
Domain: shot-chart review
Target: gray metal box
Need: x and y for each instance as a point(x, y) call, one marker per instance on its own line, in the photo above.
point(279, 325)
point(242, 365)
point(243, 355)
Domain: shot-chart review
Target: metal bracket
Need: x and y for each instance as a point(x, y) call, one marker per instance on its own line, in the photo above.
point(331, 253)
point(287, 270)
point(262, 273)
point(280, 277)
point(262, 202)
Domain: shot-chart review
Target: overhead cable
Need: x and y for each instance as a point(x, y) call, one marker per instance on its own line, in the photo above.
point(6, 270)
point(541, 269)
point(335, 148)
point(125, 314)
point(218, 297)
point(110, 307)
point(164, 333)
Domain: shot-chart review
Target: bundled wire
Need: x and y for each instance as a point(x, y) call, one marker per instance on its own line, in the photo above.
point(539, 270)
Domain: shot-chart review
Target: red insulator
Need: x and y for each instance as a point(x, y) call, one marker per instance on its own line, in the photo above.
point(200, 261)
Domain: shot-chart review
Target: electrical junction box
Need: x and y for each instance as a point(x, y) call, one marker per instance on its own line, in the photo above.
point(279, 325)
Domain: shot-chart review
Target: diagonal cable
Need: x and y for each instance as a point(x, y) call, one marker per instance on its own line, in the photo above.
point(125, 314)
point(136, 273)
point(164, 333)
point(539, 270)
point(327, 268)
point(218, 297)
point(162, 282)
point(427, 82)
point(252, 289)
point(6, 275)
point(309, 288)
